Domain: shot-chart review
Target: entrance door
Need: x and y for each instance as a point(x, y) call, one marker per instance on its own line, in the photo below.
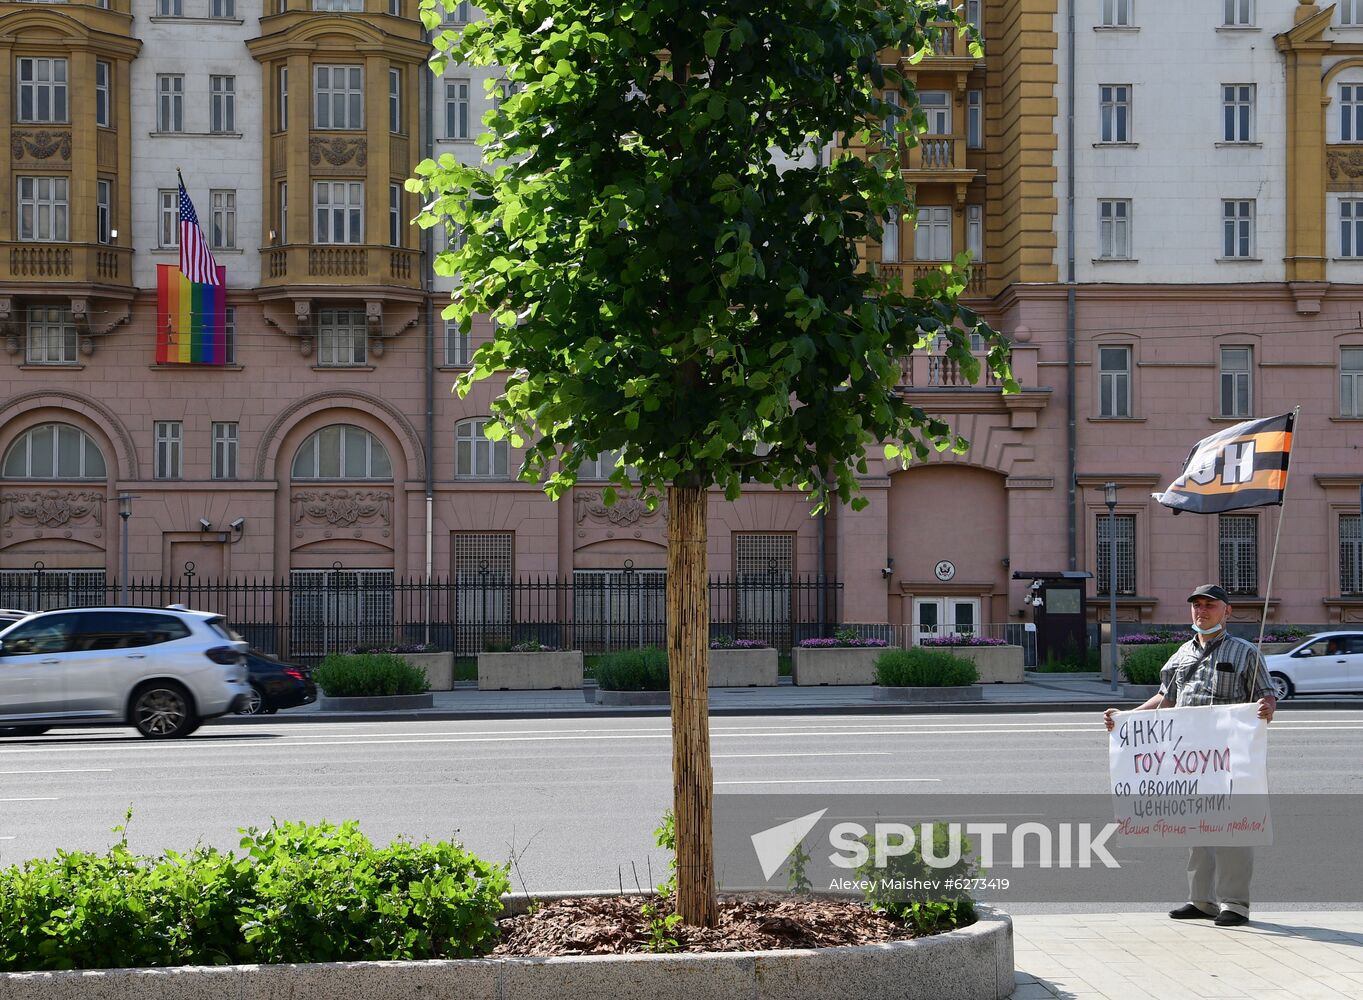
point(939, 616)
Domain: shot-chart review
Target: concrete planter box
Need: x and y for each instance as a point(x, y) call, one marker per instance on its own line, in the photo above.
point(930, 695)
point(633, 697)
point(438, 668)
point(377, 703)
point(559, 670)
point(834, 665)
point(971, 963)
point(743, 668)
point(1139, 692)
point(995, 664)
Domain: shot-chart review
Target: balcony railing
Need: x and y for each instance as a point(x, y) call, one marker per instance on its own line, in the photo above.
point(950, 44)
point(932, 370)
point(976, 284)
point(82, 262)
point(342, 264)
point(937, 153)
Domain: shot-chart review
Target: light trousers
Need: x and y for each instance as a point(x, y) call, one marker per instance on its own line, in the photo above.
point(1218, 878)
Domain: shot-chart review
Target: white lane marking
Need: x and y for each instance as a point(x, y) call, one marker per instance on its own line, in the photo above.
point(831, 753)
point(824, 781)
point(65, 770)
point(7, 838)
point(36, 798)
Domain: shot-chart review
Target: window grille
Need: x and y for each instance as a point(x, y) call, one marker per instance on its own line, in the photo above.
point(332, 610)
point(1350, 554)
point(1239, 548)
point(1126, 554)
point(482, 582)
point(48, 589)
point(763, 565)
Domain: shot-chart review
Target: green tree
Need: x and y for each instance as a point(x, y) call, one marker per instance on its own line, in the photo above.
point(661, 289)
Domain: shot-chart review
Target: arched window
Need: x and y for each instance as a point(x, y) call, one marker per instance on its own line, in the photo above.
point(342, 451)
point(475, 456)
point(54, 451)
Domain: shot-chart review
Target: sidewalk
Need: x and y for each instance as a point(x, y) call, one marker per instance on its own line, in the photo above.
point(1305, 954)
point(1038, 693)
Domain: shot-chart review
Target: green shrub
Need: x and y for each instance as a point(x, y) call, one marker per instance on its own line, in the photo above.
point(920, 667)
point(365, 675)
point(633, 670)
point(301, 893)
point(902, 887)
point(1142, 665)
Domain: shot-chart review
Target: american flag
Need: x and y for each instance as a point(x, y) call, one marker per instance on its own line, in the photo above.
point(196, 260)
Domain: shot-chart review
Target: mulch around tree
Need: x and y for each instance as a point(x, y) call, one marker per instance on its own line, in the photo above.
point(616, 925)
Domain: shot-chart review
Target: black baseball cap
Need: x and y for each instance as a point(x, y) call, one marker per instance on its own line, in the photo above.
point(1212, 590)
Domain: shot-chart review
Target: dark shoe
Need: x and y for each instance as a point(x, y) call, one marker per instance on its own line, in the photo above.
point(1190, 912)
point(1229, 918)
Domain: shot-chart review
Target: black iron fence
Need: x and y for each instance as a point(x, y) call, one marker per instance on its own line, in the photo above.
point(313, 614)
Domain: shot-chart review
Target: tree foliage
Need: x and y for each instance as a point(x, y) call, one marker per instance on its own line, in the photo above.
point(659, 286)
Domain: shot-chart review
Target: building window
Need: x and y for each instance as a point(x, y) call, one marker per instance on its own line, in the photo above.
point(395, 215)
point(475, 455)
point(224, 103)
point(1238, 536)
point(972, 16)
point(54, 451)
point(1238, 223)
point(889, 237)
point(1350, 227)
point(395, 101)
point(974, 119)
point(1350, 554)
point(1350, 12)
point(1237, 101)
point(169, 8)
point(1117, 14)
point(223, 8)
point(356, 5)
point(282, 109)
point(102, 106)
point(282, 198)
point(456, 109)
point(482, 590)
point(342, 451)
point(225, 440)
point(339, 92)
point(1114, 229)
point(1125, 535)
point(43, 209)
point(1351, 112)
point(229, 334)
point(339, 609)
point(936, 104)
point(223, 213)
point(458, 346)
point(168, 216)
point(170, 102)
point(932, 234)
point(763, 565)
point(342, 338)
point(1351, 382)
point(51, 336)
point(169, 449)
point(42, 90)
point(339, 209)
point(974, 231)
point(1239, 13)
point(1235, 382)
point(104, 215)
point(603, 466)
point(458, 14)
point(1114, 112)
point(890, 125)
point(1114, 381)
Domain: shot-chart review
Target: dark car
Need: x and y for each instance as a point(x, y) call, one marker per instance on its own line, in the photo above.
point(276, 685)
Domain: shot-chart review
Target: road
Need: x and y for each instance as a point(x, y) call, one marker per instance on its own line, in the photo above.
point(575, 799)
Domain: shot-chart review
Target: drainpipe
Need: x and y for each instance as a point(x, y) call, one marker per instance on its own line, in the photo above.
point(428, 282)
point(1071, 432)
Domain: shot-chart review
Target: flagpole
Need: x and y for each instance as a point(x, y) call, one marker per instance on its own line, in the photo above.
point(1277, 536)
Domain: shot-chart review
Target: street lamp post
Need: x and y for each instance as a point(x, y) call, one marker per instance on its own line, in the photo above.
point(125, 510)
point(1110, 498)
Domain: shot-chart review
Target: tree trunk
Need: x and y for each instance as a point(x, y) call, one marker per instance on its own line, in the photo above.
point(688, 655)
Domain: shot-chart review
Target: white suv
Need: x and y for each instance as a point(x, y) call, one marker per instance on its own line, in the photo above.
point(162, 670)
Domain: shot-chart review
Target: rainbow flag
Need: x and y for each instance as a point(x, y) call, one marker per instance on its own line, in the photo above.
point(191, 319)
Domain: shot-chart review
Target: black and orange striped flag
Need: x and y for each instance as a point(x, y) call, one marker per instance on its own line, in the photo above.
point(1242, 466)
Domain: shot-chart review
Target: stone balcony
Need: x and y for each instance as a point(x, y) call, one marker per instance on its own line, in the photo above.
point(976, 285)
point(340, 264)
point(79, 263)
point(936, 383)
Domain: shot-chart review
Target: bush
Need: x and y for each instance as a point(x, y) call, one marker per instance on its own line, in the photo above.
point(919, 667)
point(925, 910)
point(1142, 666)
point(366, 675)
point(301, 893)
point(633, 670)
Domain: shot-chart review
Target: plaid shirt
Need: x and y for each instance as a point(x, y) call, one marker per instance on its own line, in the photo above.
point(1228, 672)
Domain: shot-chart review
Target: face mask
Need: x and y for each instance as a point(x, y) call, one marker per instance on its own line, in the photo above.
point(1206, 631)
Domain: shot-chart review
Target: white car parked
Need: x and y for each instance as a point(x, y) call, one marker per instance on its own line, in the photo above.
point(1327, 662)
point(162, 670)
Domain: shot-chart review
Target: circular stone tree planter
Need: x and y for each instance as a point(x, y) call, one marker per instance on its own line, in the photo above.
point(376, 703)
point(931, 695)
point(971, 963)
point(633, 697)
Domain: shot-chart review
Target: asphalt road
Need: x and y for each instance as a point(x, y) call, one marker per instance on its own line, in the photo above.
point(575, 799)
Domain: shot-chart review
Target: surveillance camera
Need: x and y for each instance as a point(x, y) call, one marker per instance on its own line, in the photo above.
point(205, 524)
point(887, 572)
point(238, 524)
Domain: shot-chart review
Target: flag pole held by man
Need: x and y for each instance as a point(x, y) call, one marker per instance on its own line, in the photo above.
point(191, 299)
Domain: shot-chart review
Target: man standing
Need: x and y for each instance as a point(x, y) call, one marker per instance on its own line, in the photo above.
point(1213, 668)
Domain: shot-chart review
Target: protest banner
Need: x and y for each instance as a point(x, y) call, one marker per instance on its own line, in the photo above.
point(1192, 777)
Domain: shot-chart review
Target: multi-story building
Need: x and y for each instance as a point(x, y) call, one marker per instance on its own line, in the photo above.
point(1177, 254)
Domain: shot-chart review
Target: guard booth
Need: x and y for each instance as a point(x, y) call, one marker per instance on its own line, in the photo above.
point(1056, 601)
